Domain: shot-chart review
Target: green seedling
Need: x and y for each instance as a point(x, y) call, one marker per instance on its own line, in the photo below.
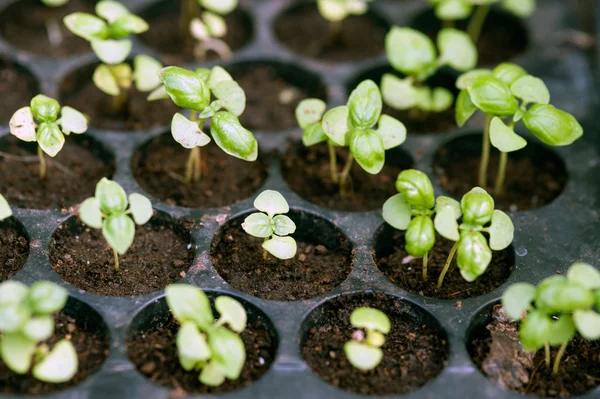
point(473, 254)
point(40, 123)
point(55, 36)
point(272, 225)
point(203, 344)
point(413, 210)
point(413, 54)
point(108, 211)
point(193, 91)
point(508, 92)
point(5, 211)
point(352, 125)
point(209, 28)
point(364, 350)
point(25, 323)
point(554, 311)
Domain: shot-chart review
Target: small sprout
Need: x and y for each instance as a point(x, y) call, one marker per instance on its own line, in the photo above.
point(5, 211)
point(50, 130)
point(272, 225)
point(364, 351)
point(413, 54)
point(554, 311)
point(508, 92)
point(203, 344)
point(107, 210)
point(25, 322)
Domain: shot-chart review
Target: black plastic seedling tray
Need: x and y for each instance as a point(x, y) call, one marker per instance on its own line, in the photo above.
point(547, 239)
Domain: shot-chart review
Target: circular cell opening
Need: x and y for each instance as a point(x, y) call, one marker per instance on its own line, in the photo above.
point(18, 87)
point(14, 247)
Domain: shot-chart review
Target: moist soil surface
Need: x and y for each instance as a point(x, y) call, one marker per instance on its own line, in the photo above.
point(406, 271)
point(25, 25)
point(315, 270)
point(413, 353)
point(270, 100)
point(14, 248)
point(495, 349)
point(16, 90)
point(91, 347)
point(160, 165)
point(420, 122)
point(305, 31)
point(158, 257)
point(306, 170)
point(154, 353)
point(71, 176)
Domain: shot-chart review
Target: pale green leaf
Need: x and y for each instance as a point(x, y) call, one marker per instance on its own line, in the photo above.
point(310, 111)
point(464, 108)
point(231, 312)
point(111, 10)
point(220, 6)
point(72, 121)
point(87, 26)
point(232, 137)
point(473, 256)
point(397, 212)
point(39, 329)
point(258, 225)
point(391, 131)
point(508, 72)
point(188, 133)
point(146, 73)
point(215, 76)
point(409, 51)
point(50, 138)
point(367, 148)
point(22, 125)
point(13, 316)
point(457, 49)
point(313, 134)
point(231, 96)
point(587, 323)
point(521, 8)
point(363, 356)
point(112, 51)
point(335, 125)
point(141, 208)
point(191, 345)
point(188, 303)
point(398, 93)
point(105, 80)
point(281, 247)
point(59, 366)
point(228, 351)
point(5, 211)
point(111, 196)
point(212, 375)
point(463, 80)
point(271, 202)
point(45, 298)
point(90, 213)
point(44, 108)
point(531, 90)
point(12, 292)
point(119, 232)
point(126, 25)
point(17, 352)
point(501, 231)
point(445, 223)
point(517, 299)
point(370, 319)
point(443, 201)
point(215, 24)
point(283, 225)
point(504, 137)
point(586, 275)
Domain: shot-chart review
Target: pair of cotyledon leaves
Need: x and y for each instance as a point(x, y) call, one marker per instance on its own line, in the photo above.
point(367, 354)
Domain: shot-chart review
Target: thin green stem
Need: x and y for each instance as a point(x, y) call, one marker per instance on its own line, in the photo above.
point(332, 162)
point(477, 21)
point(40, 153)
point(485, 153)
point(345, 173)
point(425, 260)
point(499, 187)
point(197, 164)
point(116, 256)
point(547, 353)
point(189, 167)
point(559, 355)
point(447, 265)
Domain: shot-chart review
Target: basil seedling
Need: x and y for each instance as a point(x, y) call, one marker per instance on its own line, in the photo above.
point(55, 36)
point(508, 91)
point(473, 254)
point(107, 210)
point(50, 130)
point(5, 211)
point(203, 344)
point(208, 29)
point(554, 311)
point(413, 54)
point(413, 209)
point(364, 350)
point(25, 322)
point(272, 225)
point(192, 90)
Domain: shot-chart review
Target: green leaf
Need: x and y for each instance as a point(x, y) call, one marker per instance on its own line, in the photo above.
point(535, 330)
point(370, 319)
point(45, 297)
point(464, 108)
point(335, 125)
point(258, 225)
point(271, 202)
point(111, 10)
point(457, 49)
point(492, 96)
point(12, 292)
point(416, 187)
point(188, 133)
point(409, 51)
point(13, 316)
point(22, 125)
point(111, 196)
point(87, 26)
point(90, 213)
point(367, 148)
point(215, 24)
point(397, 212)
point(420, 236)
point(231, 96)
point(44, 109)
point(521, 8)
point(517, 299)
point(185, 88)
point(55, 3)
point(362, 356)
point(545, 293)
point(105, 80)
point(504, 137)
point(214, 76)
point(39, 329)
point(159, 94)
point(220, 6)
point(188, 303)
point(364, 105)
point(283, 225)
point(586, 275)
point(228, 351)
point(445, 223)
point(112, 51)
point(50, 138)
point(127, 25)
point(508, 72)
point(59, 366)
point(141, 208)
point(391, 131)
point(463, 80)
point(310, 112)
point(17, 352)
point(443, 201)
point(212, 375)
point(562, 330)
point(5, 211)
point(501, 231)
point(398, 93)
point(146, 73)
point(191, 346)
point(119, 232)
point(281, 247)
point(551, 125)
point(473, 255)
point(531, 90)
point(72, 121)
point(451, 10)
point(232, 312)
point(441, 99)
point(587, 323)
point(232, 137)
point(563, 296)
point(332, 10)
point(313, 134)
point(477, 207)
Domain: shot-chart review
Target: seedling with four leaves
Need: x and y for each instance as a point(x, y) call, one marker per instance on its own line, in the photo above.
point(203, 344)
point(364, 350)
point(50, 130)
point(25, 323)
point(107, 210)
point(208, 29)
point(554, 311)
point(272, 225)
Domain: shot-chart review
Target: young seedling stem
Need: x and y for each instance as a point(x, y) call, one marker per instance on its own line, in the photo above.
point(345, 174)
point(116, 256)
point(332, 162)
point(425, 260)
point(547, 353)
point(447, 265)
point(499, 187)
point(485, 153)
point(477, 21)
point(40, 153)
point(559, 355)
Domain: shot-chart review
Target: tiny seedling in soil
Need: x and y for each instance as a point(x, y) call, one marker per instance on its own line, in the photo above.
point(451, 10)
point(50, 130)
point(209, 28)
point(108, 211)
point(192, 90)
point(52, 25)
point(25, 322)
point(272, 225)
point(5, 211)
point(413, 54)
point(554, 311)
point(364, 350)
point(413, 210)
point(203, 344)
point(352, 125)
point(508, 92)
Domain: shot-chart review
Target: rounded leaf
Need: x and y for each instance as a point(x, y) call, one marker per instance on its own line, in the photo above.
point(364, 105)
point(391, 131)
point(310, 111)
point(531, 90)
point(501, 231)
point(146, 73)
point(464, 108)
point(521, 8)
point(199, 30)
point(477, 207)
point(508, 72)
point(104, 79)
point(271, 202)
point(185, 88)
point(551, 125)
point(370, 319)
point(45, 298)
point(441, 99)
point(220, 6)
point(22, 124)
point(416, 187)
point(362, 356)
point(504, 137)
point(535, 330)
point(367, 148)
point(17, 352)
point(420, 236)
point(335, 125)
point(140, 207)
point(112, 51)
point(188, 303)
point(492, 96)
point(450, 10)
point(87, 26)
point(397, 212)
point(231, 96)
point(517, 299)
point(585, 275)
point(119, 232)
point(563, 330)
point(445, 223)
point(90, 213)
point(60, 365)
point(398, 93)
point(473, 255)
point(44, 109)
point(215, 24)
point(283, 225)
point(72, 121)
point(258, 225)
point(188, 133)
point(214, 76)
point(281, 247)
point(12, 317)
point(192, 347)
point(457, 49)
point(232, 312)
point(228, 351)
point(587, 323)
point(111, 196)
point(12, 292)
point(313, 134)
point(111, 10)
point(332, 10)
point(409, 51)
point(464, 79)
point(127, 25)
point(39, 329)
point(50, 138)
point(232, 137)
point(443, 201)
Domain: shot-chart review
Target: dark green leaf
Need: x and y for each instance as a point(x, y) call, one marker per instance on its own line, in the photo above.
point(420, 236)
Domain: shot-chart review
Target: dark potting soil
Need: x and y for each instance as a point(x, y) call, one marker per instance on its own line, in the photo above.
point(306, 32)
point(160, 255)
point(497, 353)
point(413, 353)
point(306, 170)
point(16, 89)
point(160, 165)
point(406, 271)
point(154, 353)
point(270, 100)
point(419, 122)
point(315, 270)
point(71, 176)
point(24, 25)
point(91, 347)
point(14, 248)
